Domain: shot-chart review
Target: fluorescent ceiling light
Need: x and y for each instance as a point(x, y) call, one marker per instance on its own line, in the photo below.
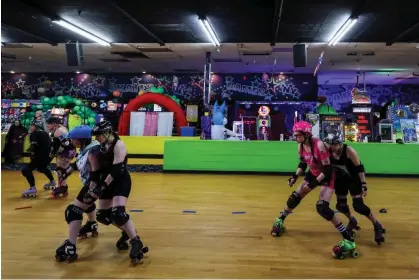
point(210, 32)
point(81, 32)
point(342, 31)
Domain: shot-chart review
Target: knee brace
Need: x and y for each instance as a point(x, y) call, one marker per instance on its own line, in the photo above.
point(90, 209)
point(293, 200)
point(119, 217)
point(342, 205)
point(360, 207)
point(103, 216)
point(324, 210)
point(73, 213)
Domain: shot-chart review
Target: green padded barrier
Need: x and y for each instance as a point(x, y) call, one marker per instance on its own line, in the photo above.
point(275, 156)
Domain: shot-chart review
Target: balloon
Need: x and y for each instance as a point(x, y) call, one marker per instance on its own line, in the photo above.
point(91, 120)
point(41, 90)
point(141, 92)
point(76, 109)
point(60, 98)
point(160, 90)
point(39, 107)
point(153, 89)
point(78, 102)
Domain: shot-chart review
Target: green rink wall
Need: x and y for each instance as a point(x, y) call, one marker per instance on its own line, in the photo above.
point(276, 156)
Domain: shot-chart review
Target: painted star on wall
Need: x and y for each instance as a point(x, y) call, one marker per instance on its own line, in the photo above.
point(20, 83)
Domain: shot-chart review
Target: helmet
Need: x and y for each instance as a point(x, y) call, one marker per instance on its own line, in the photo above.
point(38, 124)
point(102, 128)
point(303, 127)
point(333, 140)
point(53, 120)
point(80, 132)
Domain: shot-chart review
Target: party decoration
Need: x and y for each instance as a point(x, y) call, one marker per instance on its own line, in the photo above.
point(116, 93)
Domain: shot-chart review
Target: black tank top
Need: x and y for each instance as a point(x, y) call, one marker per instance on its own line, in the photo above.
point(107, 156)
point(343, 163)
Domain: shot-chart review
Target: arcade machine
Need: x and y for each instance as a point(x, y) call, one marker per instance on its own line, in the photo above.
point(385, 130)
point(12, 110)
point(351, 132)
point(314, 120)
point(238, 128)
point(332, 126)
point(405, 120)
point(362, 110)
point(263, 123)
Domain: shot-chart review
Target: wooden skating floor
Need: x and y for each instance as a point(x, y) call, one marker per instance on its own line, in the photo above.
point(213, 242)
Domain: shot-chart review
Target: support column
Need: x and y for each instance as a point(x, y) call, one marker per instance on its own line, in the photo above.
point(207, 80)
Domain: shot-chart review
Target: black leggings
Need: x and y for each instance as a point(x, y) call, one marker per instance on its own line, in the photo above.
point(27, 171)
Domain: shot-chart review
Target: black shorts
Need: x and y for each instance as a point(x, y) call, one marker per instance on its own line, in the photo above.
point(121, 186)
point(347, 183)
point(326, 182)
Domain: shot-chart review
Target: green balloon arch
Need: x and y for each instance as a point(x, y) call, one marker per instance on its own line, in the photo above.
point(77, 107)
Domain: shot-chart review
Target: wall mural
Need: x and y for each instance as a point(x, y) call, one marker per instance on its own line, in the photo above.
point(339, 97)
point(189, 88)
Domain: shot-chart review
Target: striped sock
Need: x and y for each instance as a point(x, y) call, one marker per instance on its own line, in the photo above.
point(341, 227)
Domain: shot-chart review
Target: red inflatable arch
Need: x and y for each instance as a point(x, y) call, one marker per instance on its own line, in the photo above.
point(151, 98)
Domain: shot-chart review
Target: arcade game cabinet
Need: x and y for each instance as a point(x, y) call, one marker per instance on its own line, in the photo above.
point(263, 123)
point(332, 126)
point(362, 110)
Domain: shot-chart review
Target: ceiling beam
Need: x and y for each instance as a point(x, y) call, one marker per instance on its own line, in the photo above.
point(402, 34)
point(276, 20)
point(29, 34)
point(139, 25)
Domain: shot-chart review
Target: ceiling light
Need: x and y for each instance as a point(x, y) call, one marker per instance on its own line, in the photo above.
point(342, 31)
point(144, 72)
point(210, 32)
point(81, 32)
point(77, 72)
point(12, 72)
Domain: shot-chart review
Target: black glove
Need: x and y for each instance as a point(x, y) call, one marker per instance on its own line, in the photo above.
point(292, 180)
point(92, 195)
point(364, 188)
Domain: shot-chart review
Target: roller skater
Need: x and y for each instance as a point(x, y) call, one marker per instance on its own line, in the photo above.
point(88, 165)
point(350, 178)
point(313, 154)
point(116, 189)
point(40, 144)
point(64, 151)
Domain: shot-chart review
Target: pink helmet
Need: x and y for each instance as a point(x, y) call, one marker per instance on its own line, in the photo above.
point(302, 126)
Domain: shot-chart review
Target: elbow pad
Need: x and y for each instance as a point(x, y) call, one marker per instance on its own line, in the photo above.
point(328, 171)
point(360, 168)
point(302, 165)
point(117, 170)
point(95, 176)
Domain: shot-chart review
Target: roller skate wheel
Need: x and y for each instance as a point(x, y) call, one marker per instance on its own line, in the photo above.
point(145, 250)
point(355, 254)
point(59, 258)
point(95, 233)
point(83, 236)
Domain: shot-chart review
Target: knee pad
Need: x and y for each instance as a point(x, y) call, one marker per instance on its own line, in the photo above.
point(360, 207)
point(90, 209)
point(324, 210)
point(342, 205)
point(73, 213)
point(293, 200)
point(119, 217)
point(103, 216)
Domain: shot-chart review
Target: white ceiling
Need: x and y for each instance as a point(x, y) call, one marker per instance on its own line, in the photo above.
point(337, 66)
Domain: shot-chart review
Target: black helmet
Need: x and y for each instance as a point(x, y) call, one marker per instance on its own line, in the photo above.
point(333, 140)
point(38, 124)
point(102, 128)
point(53, 120)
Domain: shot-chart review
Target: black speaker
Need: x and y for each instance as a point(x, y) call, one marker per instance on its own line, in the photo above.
point(74, 54)
point(299, 55)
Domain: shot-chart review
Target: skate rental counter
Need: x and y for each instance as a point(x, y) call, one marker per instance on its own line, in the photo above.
point(279, 157)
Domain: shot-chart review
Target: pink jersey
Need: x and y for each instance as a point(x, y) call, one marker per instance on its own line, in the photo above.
point(315, 164)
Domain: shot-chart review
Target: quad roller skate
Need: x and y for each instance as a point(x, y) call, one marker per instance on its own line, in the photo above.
point(352, 227)
point(89, 227)
point(50, 186)
point(31, 192)
point(278, 227)
point(66, 252)
point(137, 250)
point(379, 233)
point(59, 191)
point(122, 244)
point(345, 248)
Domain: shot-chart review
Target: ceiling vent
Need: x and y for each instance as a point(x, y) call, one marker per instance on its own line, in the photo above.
point(131, 55)
point(227, 60)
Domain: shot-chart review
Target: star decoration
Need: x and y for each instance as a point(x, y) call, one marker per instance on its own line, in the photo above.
point(112, 81)
point(99, 80)
point(20, 83)
point(136, 80)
